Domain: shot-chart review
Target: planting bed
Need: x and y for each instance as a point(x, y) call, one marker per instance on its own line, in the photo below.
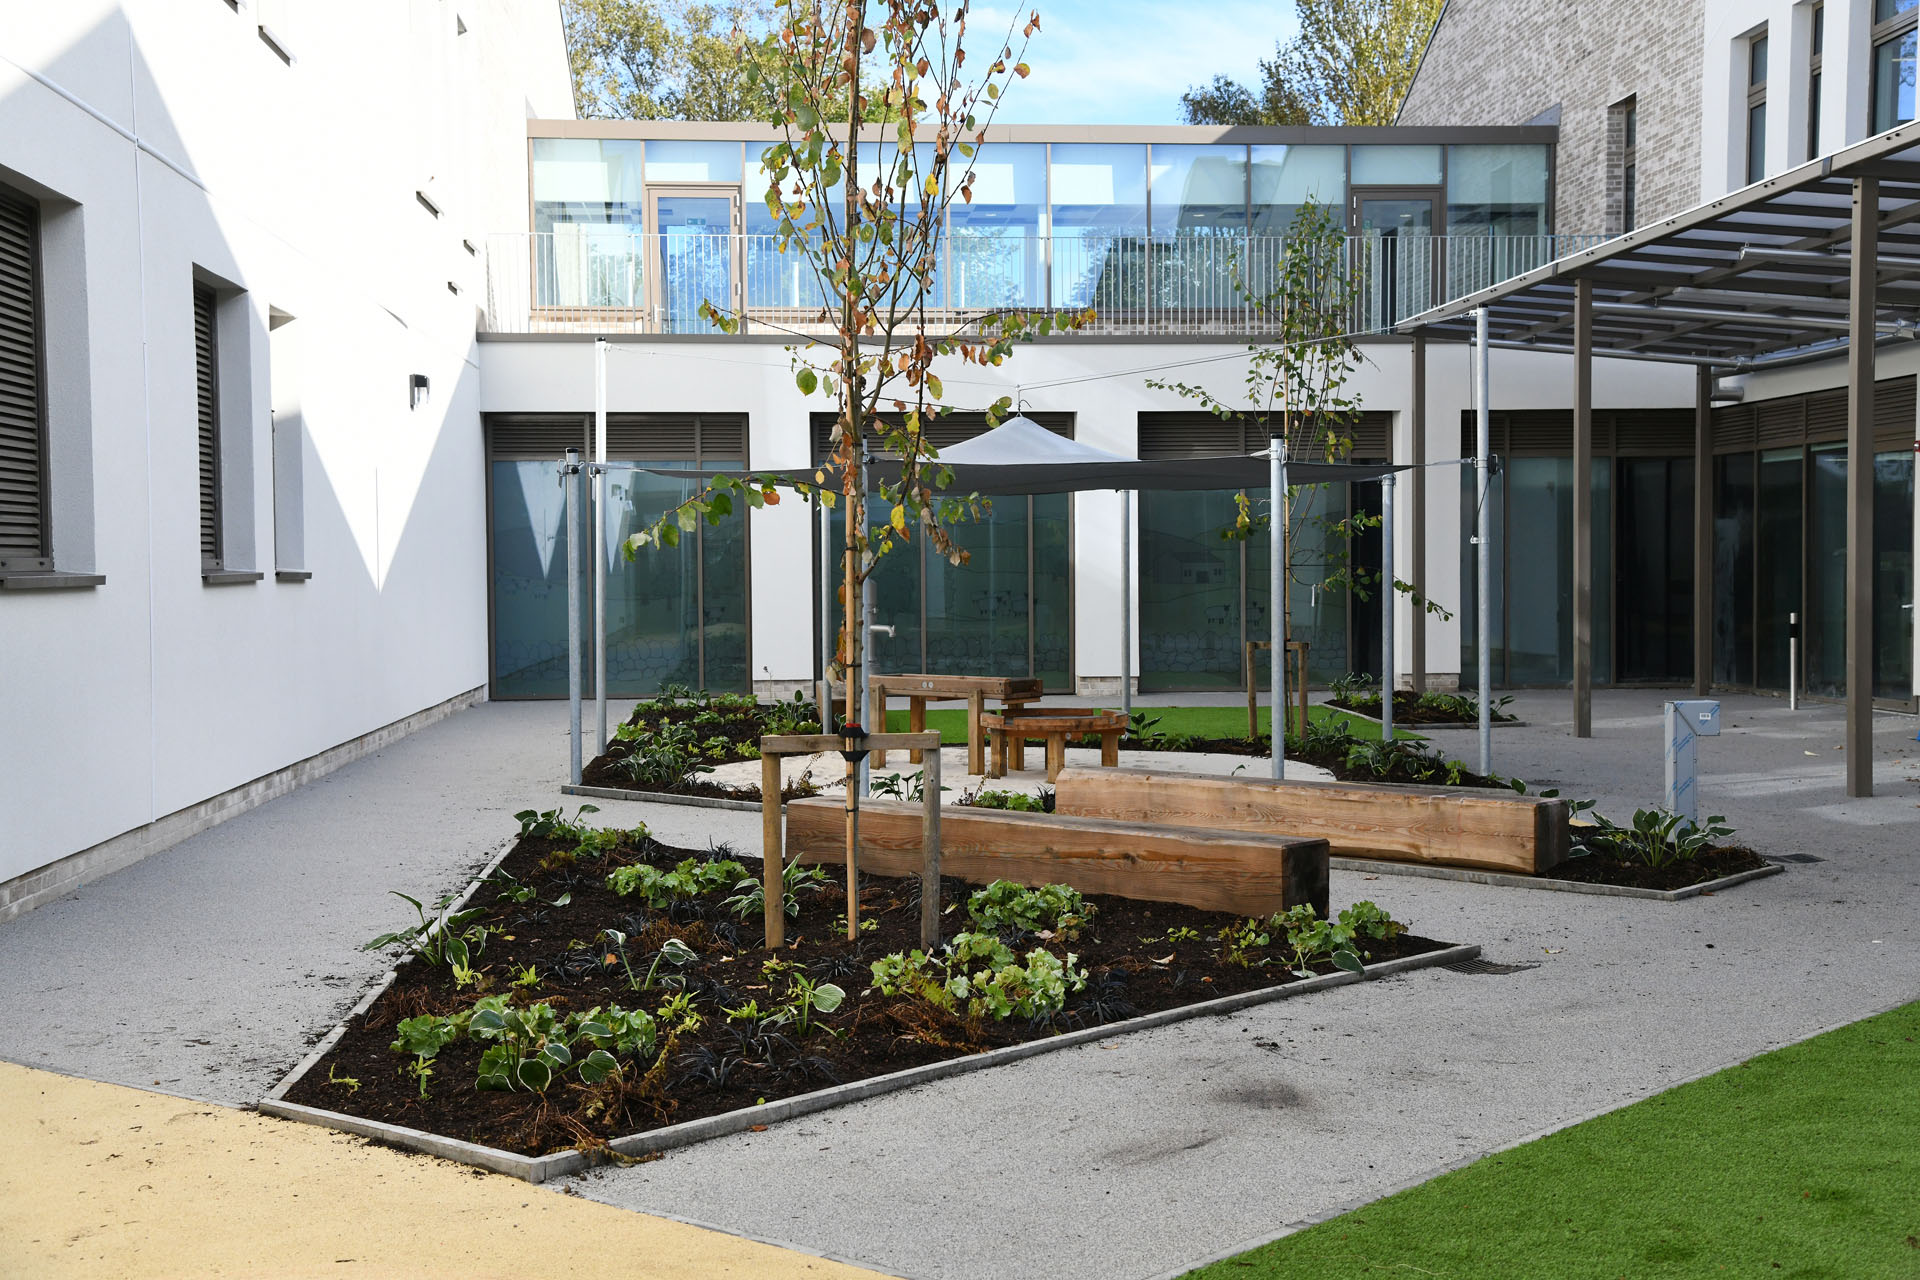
point(552, 949)
point(1411, 709)
point(668, 743)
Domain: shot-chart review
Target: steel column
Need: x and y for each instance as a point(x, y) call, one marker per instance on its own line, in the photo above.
point(1583, 508)
point(1417, 513)
point(1276, 599)
point(1126, 603)
point(597, 514)
point(1388, 606)
point(570, 478)
point(1860, 362)
point(1483, 542)
point(1702, 531)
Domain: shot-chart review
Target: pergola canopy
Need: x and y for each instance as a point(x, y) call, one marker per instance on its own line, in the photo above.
point(1757, 277)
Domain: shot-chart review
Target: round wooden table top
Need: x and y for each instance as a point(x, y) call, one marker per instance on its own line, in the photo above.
point(1057, 722)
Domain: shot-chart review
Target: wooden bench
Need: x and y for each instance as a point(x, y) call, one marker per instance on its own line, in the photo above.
point(920, 689)
point(1014, 726)
point(1247, 874)
point(1452, 826)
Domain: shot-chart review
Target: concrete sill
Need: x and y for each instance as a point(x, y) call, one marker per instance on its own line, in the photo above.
point(276, 42)
point(229, 577)
point(48, 580)
point(292, 575)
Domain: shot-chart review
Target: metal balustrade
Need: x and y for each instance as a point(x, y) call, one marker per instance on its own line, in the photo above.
point(583, 278)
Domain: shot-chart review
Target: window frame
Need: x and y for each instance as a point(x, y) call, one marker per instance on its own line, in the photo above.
point(1755, 167)
point(1816, 51)
point(1884, 32)
point(43, 560)
point(1629, 109)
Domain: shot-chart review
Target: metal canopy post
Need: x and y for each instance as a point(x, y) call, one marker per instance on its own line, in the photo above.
point(1417, 511)
point(1126, 603)
point(825, 687)
point(1702, 531)
point(570, 477)
point(1583, 508)
point(598, 515)
point(1483, 544)
point(1388, 679)
point(1276, 601)
point(1861, 293)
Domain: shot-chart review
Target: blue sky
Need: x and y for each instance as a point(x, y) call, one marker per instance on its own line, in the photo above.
point(1127, 61)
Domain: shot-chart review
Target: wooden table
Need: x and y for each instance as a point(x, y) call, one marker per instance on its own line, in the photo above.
point(1015, 725)
point(919, 690)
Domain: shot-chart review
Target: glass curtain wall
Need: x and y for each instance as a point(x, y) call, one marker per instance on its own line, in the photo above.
point(1198, 210)
point(1496, 214)
point(1824, 624)
point(1192, 634)
point(1778, 568)
point(529, 566)
point(1893, 598)
point(588, 210)
point(1099, 225)
point(994, 240)
point(1734, 558)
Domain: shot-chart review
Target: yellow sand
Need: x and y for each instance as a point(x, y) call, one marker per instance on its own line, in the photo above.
point(99, 1180)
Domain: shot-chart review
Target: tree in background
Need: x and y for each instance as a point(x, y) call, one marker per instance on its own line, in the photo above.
point(1351, 63)
point(670, 59)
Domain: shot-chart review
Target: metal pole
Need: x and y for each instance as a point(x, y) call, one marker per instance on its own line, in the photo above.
point(1793, 662)
point(1483, 545)
point(598, 514)
point(1702, 531)
point(1417, 512)
point(826, 614)
point(1863, 272)
point(570, 477)
point(1388, 680)
point(863, 698)
point(1276, 600)
point(1583, 508)
point(1126, 603)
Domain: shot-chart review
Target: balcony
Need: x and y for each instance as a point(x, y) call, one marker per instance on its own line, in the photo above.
point(590, 279)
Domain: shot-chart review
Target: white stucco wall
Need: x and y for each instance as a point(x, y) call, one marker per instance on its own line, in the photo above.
point(182, 142)
point(753, 378)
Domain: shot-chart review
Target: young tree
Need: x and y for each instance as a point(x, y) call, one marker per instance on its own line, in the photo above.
point(864, 208)
point(1351, 63)
point(1295, 390)
point(668, 59)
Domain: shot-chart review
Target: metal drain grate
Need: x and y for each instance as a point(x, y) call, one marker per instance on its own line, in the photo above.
point(1486, 966)
point(1796, 857)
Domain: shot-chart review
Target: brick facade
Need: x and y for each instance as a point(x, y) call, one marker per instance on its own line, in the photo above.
point(1502, 62)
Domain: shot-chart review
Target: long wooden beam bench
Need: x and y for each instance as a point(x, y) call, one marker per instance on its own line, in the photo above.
point(1450, 826)
point(1245, 873)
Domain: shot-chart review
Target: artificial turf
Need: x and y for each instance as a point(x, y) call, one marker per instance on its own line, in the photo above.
point(1804, 1162)
point(1200, 722)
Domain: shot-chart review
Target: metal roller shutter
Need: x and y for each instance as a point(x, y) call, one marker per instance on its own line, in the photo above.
point(206, 375)
point(23, 491)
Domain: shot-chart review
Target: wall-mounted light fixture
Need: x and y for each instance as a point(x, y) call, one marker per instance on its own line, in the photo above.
point(416, 389)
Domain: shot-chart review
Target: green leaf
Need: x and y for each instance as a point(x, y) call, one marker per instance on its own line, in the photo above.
point(1345, 959)
point(806, 380)
point(534, 1074)
point(557, 1055)
point(597, 1066)
point(827, 997)
point(934, 388)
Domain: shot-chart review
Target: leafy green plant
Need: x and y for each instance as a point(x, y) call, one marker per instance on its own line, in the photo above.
point(691, 878)
point(349, 1083)
point(1006, 904)
point(1311, 940)
point(1239, 941)
point(435, 939)
point(911, 787)
point(1352, 686)
point(1143, 728)
point(673, 951)
point(1177, 934)
point(1015, 801)
point(750, 896)
point(978, 973)
point(550, 825)
point(799, 715)
point(669, 757)
point(1656, 837)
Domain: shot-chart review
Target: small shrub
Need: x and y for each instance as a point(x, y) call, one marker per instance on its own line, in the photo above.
point(978, 973)
point(692, 878)
point(1657, 838)
point(1005, 904)
point(1015, 801)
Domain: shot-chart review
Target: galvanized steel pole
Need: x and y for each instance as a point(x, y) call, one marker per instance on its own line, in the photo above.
point(1388, 681)
point(1483, 540)
point(1126, 603)
point(570, 478)
point(598, 515)
point(1276, 599)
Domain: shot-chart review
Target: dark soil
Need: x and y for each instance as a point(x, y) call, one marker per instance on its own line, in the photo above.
point(1409, 710)
point(719, 1067)
point(1725, 860)
point(1223, 746)
point(602, 771)
point(721, 729)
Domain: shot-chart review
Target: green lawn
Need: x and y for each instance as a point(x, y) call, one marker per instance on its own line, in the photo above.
point(1804, 1162)
point(1201, 722)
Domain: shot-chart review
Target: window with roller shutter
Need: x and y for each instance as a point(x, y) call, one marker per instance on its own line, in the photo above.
point(23, 473)
point(206, 375)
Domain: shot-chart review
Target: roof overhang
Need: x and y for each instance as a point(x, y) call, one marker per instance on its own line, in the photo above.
point(1755, 278)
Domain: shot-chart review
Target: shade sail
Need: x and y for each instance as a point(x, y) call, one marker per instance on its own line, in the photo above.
point(1020, 456)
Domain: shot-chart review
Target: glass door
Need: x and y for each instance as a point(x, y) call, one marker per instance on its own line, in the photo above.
point(1397, 267)
point(695, 255)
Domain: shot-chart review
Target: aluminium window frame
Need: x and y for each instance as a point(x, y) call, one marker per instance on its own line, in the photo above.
point(1816, 59)
point(1758, 52)
point(1885, 32)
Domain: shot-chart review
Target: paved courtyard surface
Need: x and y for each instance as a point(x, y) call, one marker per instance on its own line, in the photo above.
point(208, 968)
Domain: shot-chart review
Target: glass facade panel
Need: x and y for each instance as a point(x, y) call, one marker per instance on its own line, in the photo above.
point(1470, 575)
point(723, 596)
point(1756, 142)
point(1733, 569)
point(1655, 535)
point(1777, 550)
point(1099, 221)
point(1396, 166)
point(1190, 590)
point(529, 555)
point(994, 240)
point(1893, 77)
point(1319, 615)
point(1496, 214)
point(1893, 575)
point(588, 207)
point(1284, 179)
point(773, 278)
point(1053, 589)
point(653, 601)
point(1198, 199)
point(685, 160)
point(977, 612)
point(1824, 625)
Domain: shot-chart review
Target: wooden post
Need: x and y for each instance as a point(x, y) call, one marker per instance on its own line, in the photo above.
point(916, 723)
point(1253, 702)
point(976, 755)
point(853, 851)
point(771, 866)
point(877, 710)
point(930, 845)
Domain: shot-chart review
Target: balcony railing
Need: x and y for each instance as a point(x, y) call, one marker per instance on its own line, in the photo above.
point(589, 279)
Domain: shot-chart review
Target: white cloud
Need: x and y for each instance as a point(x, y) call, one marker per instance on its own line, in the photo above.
point(1127, 61)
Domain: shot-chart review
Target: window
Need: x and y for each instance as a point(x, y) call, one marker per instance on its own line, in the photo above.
point(1756, 108)
point(206, 376)
point(23, 474)
point(1893, 62)
point(1816, 46)
point(1630, 165)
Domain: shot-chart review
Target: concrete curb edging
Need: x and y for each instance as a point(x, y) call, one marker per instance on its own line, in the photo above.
point(1506, 880)
point(539, 1169)
point(659, 797)
point(365, 1002)
point(1419, 729)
